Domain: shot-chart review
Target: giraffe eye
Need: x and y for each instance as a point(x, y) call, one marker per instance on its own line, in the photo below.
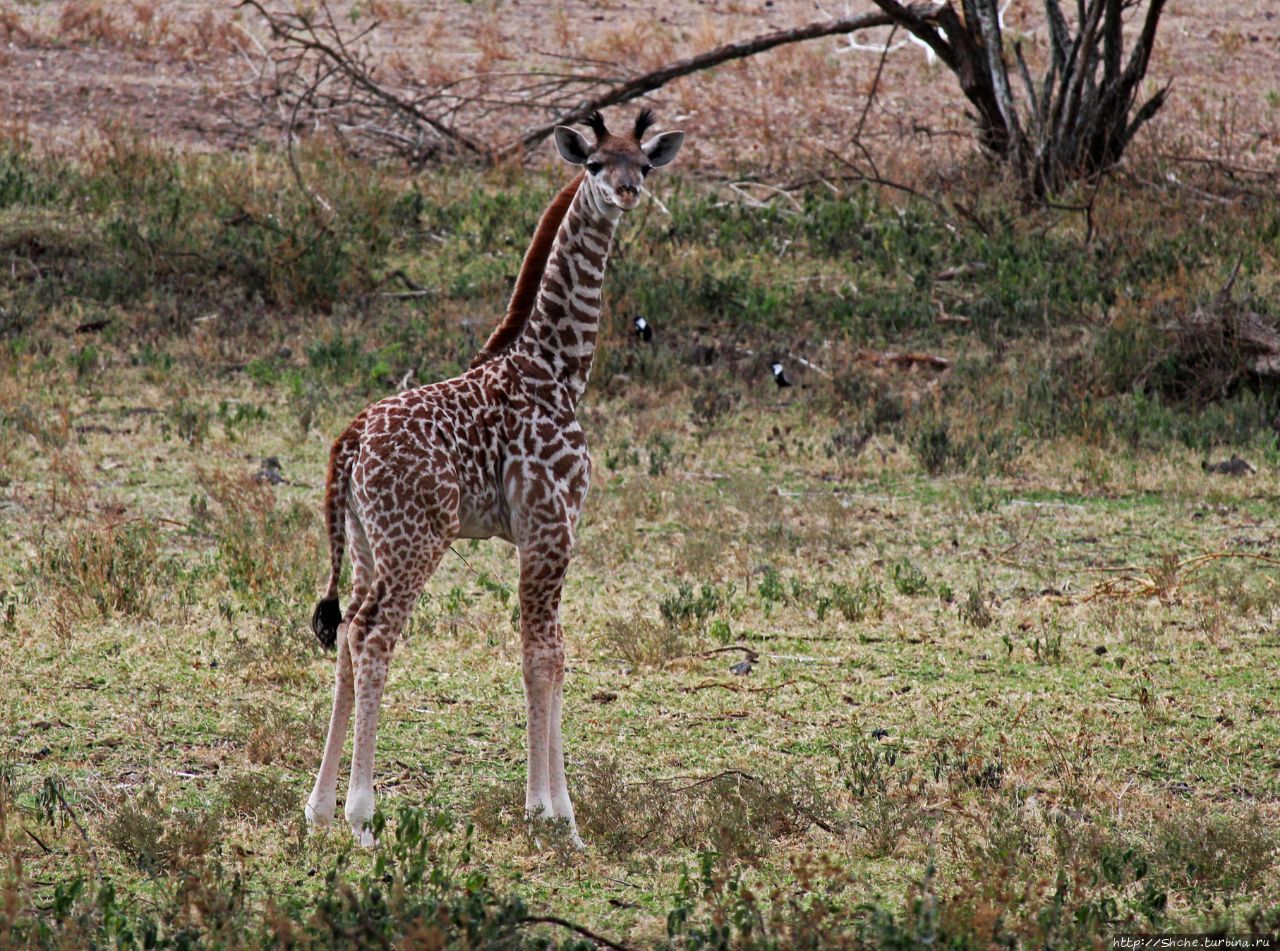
point(594, 167)
point(646, 170)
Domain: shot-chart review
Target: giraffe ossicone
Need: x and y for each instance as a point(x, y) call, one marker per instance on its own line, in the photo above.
point(495, 452)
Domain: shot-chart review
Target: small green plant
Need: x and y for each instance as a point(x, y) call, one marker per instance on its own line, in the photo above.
point(84, 361)
point(687, 609)
point(189, 421)
point(623, 456)
point(974, 609)
point(160, 841)
point(237, 417)
point(661, 453)
point(491, 585)
point(771, 589)
point(265, 548)
point(720, 631)
point(907, 578)
point(104, 572)
point(258, 795)
point(1049, 650)
point(886, 798)
point(9, 610)
point(855, 602)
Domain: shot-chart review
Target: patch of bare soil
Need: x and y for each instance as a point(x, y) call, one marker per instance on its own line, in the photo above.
point(180, 71)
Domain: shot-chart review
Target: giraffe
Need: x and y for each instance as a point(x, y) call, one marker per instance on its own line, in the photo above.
point(495, 452)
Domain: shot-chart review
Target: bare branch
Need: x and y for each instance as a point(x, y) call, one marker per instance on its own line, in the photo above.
point(875, 83)
point(640, 85)
point(920, 22)
point(599, 940)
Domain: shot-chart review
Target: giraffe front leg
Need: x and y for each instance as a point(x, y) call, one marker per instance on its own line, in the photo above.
point(561, 807)
point(539, 665)
point(542, 568)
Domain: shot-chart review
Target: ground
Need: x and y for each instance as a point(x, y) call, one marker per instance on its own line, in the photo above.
point(180, 71)
point(959, 650)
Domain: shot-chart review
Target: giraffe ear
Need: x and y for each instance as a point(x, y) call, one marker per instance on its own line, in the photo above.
point(661, 149)
point(572, 146)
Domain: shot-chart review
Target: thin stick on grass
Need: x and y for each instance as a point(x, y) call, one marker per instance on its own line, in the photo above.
point(586, 933)
point(1180, 573)
point(36, 839)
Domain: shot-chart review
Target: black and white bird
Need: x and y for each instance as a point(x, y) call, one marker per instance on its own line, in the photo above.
point(779, 376)
point(642, 328)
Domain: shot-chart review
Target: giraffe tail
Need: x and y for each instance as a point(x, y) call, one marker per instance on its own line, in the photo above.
point(328, 613)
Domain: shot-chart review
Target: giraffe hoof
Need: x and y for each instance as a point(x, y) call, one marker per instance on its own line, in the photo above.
point(318, 817)
point(364, 837)
point(558, 831)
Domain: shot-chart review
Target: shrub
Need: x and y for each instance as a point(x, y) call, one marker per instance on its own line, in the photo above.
point(936, 449)
point(103, 572)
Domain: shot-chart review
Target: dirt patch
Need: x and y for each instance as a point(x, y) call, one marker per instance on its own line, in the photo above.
point(179, 71)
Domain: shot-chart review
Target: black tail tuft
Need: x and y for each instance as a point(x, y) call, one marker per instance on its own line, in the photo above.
point(325, 622)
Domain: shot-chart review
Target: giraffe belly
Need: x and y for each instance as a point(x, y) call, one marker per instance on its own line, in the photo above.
point(491, 522)
point(482, 509)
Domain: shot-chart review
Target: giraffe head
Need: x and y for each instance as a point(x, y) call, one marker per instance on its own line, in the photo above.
point(618, 163)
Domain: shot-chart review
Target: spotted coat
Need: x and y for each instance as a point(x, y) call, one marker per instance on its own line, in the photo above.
point(495, 452)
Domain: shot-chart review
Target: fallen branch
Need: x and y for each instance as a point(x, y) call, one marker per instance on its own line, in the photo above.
point(904, 360)
point(589, 935)
point(1166, 579)
point(961, 271)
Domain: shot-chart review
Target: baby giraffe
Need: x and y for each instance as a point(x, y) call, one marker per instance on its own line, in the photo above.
point(496, 451)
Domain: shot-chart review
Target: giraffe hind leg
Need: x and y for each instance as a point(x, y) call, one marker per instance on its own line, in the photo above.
point(322, 802)
point(403, 570)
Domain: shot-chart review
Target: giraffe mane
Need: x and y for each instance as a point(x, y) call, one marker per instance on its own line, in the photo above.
point(525, 294)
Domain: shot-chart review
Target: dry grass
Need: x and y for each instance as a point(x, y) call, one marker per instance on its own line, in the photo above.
point(857, 680)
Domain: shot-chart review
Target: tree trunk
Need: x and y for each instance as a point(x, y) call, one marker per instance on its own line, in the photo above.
point(1076, 124)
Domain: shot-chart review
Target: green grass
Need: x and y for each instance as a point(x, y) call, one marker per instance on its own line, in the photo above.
point(992, 696)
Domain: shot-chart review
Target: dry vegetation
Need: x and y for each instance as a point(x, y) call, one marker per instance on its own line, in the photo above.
point(919, 651)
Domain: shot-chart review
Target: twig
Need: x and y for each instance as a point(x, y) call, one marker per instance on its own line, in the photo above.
point(658, 78)
point(905, 359)
point(586, 933)
point(875, 83)
point(805, 363)
point(876, 178)
point(56, 789)
point(36, 839)
point(317, 201)
point(738, 188)
point(752, 655)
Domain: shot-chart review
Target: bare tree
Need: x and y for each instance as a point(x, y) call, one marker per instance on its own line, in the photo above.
point(312, 76)
point(1079, 118)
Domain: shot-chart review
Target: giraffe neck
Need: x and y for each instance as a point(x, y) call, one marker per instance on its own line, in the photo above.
point(565, 322)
